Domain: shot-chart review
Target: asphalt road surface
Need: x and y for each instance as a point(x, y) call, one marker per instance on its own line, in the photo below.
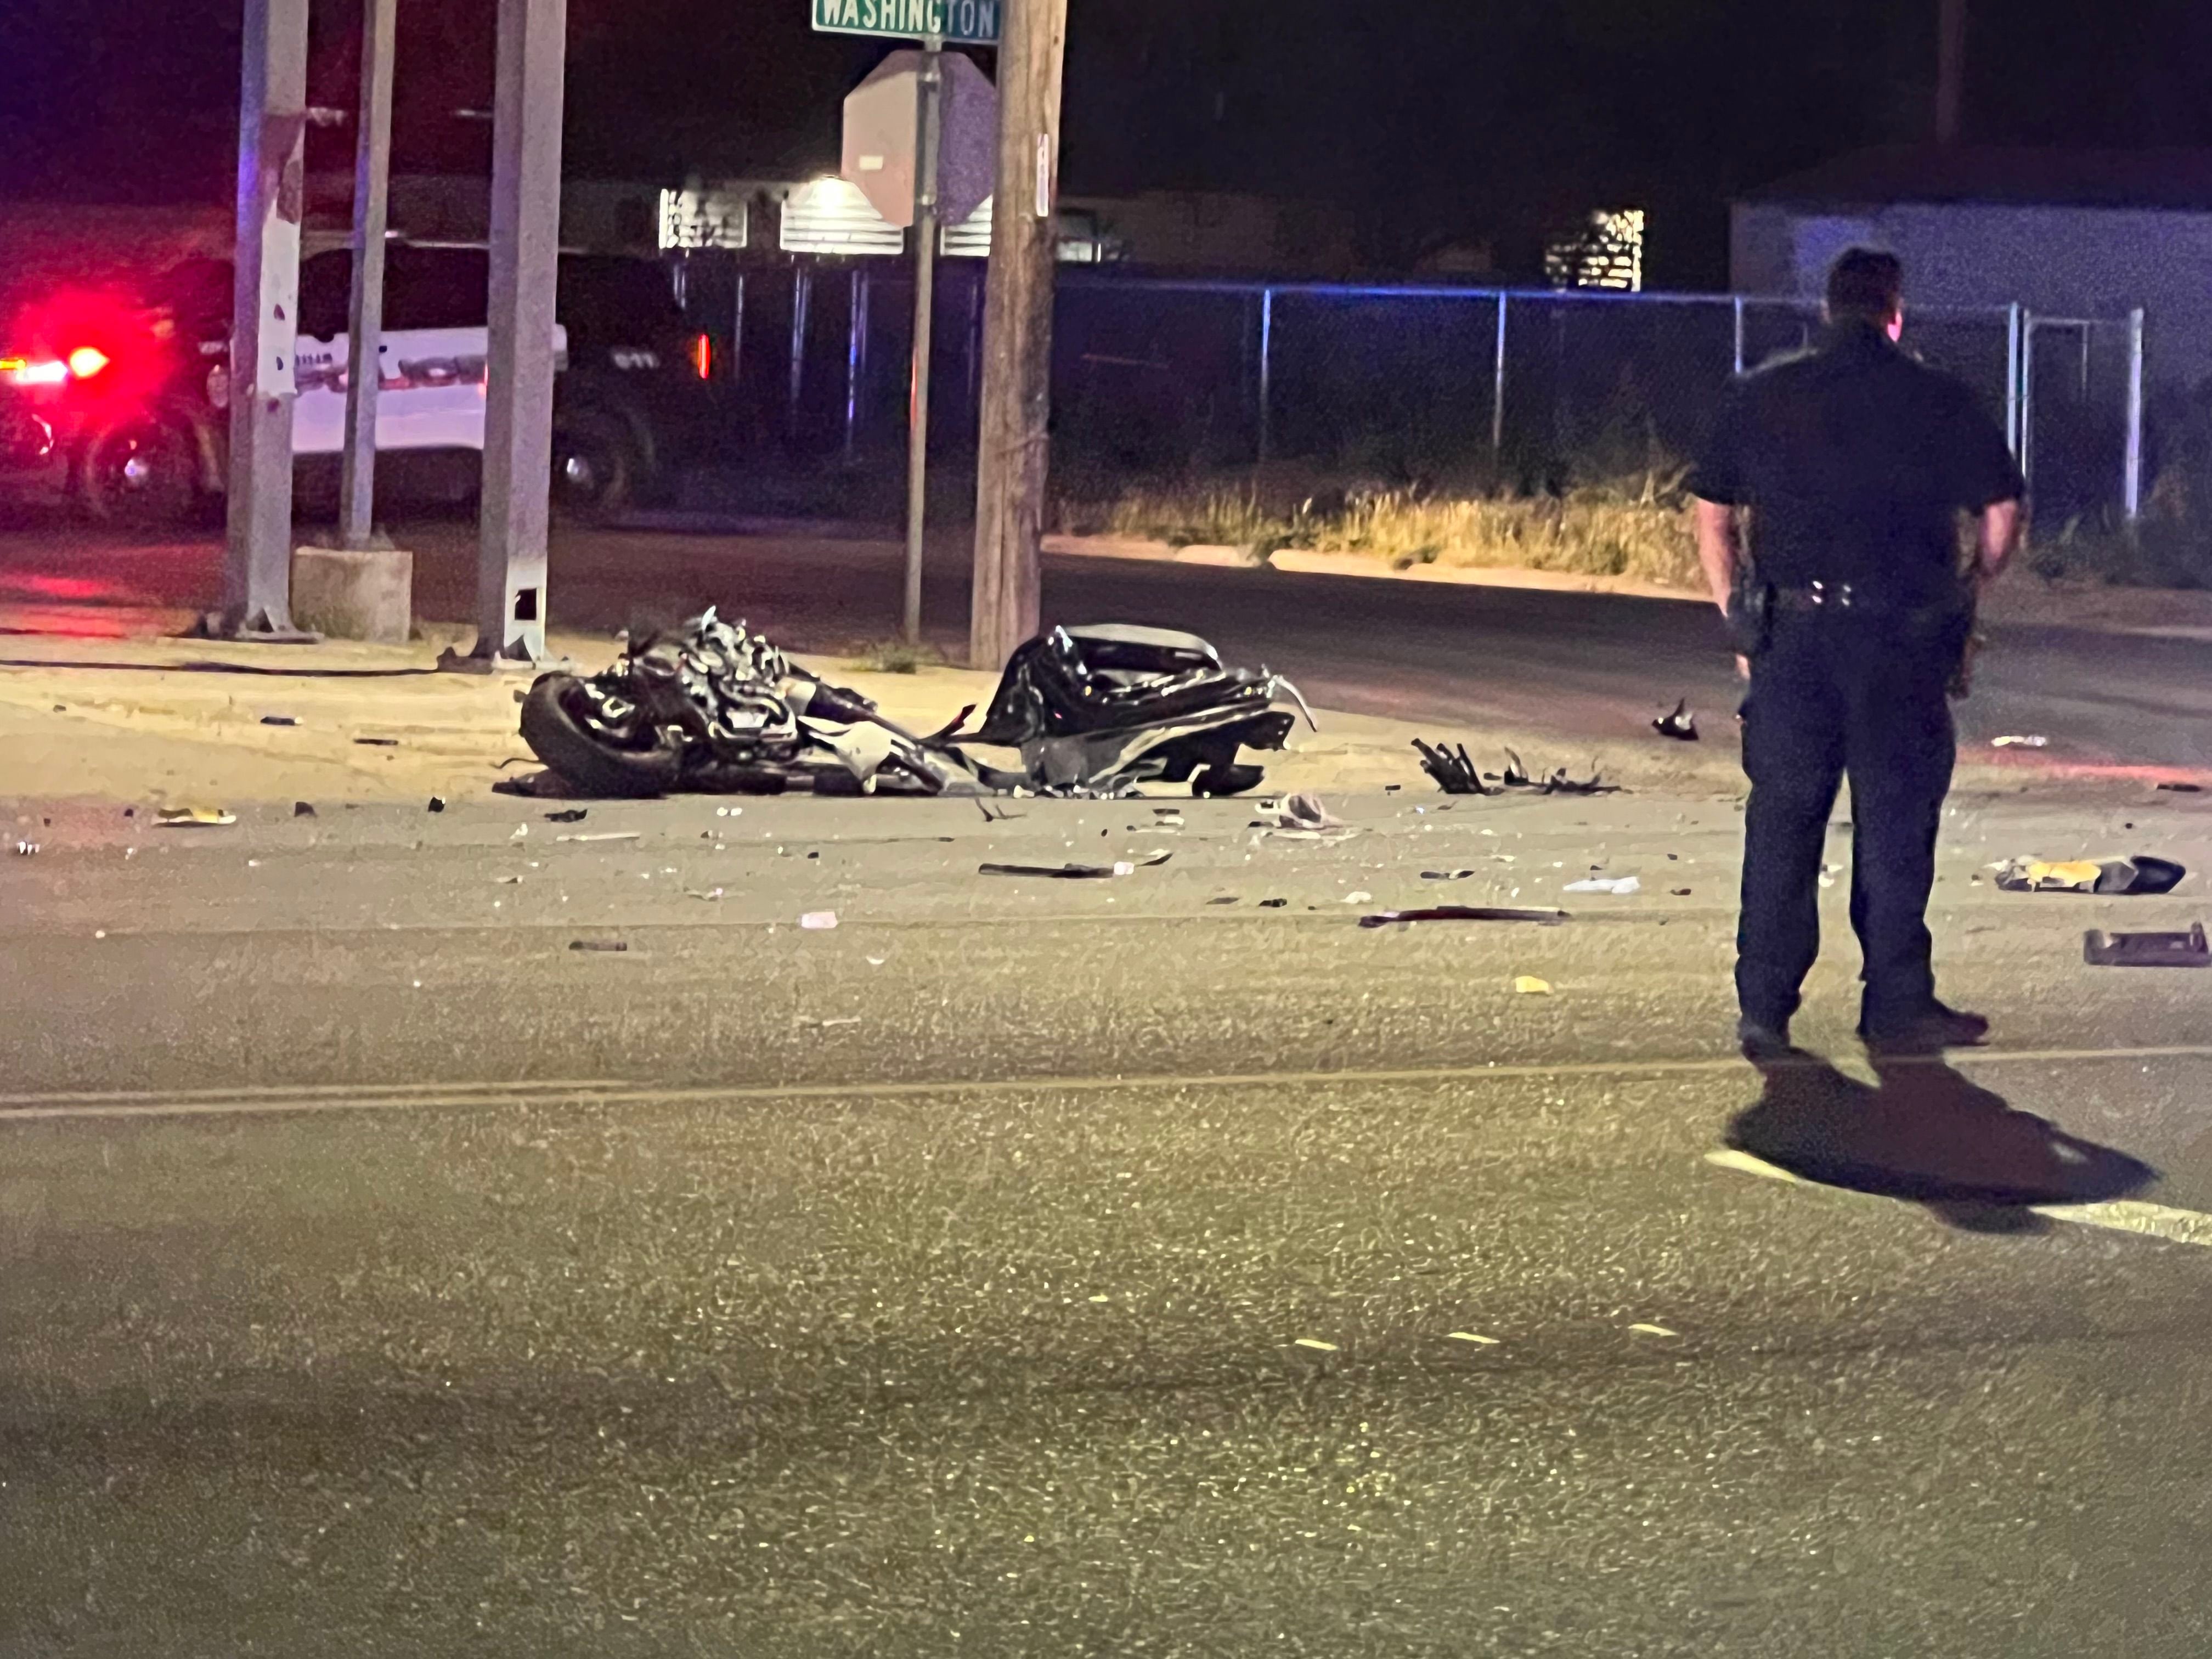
point(1030, 1267)
point(1588, 668)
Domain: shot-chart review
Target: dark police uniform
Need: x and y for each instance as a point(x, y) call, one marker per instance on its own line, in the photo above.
point(1855, 460)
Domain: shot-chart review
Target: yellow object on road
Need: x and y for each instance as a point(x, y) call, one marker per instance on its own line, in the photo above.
point(1529, 985)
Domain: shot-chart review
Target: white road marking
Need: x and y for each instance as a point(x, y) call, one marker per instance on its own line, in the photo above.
point(2125, 1215)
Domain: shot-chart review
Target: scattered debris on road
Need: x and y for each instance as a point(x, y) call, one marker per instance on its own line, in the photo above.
point(1470, 1336)
point(819, 921)
point(2126, 877)
point(2182, 788)
point(1224, 898)
point(1300, 811)
point(280, 720)
point(601, 834)
point(1455, 773)
point(1465, 913)
point(25, 849)
point(1315, 1343)
point(1527, 985)
point(303, 809)
point(1653, 1330)
point(1681, 724)
point(1446, 875)
point(377, 743)
point(437, 803)
point(1620, 886)
point(2014, 740)
point(187, 817)
point(2186, 950)
point(1075, 871)
point(1515, 776)
point(572, 815)
point(814, 1024)
point(598, 945)
point(1358, 898)
point(1273, 904)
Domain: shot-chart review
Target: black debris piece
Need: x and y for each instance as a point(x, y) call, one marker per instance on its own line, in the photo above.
point(437, 803)
point(597, 944)
point(1446, 875)
point(303, 809)
point(2102, 950)
point(2183, 788)
point(1465, 913)
point(1680, 892)
point(1515, 775)
point(571, 815)
point(280, 720)
point(1449, 765)
point(1681, 724)
point(1225, 898)
point(951, 729)
point(377, 743)
point(1071, 872)
point(1273, 904)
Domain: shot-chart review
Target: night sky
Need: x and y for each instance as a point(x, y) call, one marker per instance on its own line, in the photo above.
point(1438, 120)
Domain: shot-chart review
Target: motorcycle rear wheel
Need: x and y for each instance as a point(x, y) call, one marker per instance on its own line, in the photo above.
point(557, 736)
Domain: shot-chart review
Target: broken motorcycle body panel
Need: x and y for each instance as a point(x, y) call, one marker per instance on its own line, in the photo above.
point(1095, 711)
point(1103, 708)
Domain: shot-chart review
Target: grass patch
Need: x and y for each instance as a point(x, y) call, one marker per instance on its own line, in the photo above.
point(896, 657)
point(1637, 527)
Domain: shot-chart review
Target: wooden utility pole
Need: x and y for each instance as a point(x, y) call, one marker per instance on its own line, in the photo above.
point(1012, 452)
point(1950, 69)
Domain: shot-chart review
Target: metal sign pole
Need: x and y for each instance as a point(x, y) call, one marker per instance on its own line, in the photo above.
point(932, 101)
point(365, 320)
point(2131, 476)
point(525, 237)
point(256, 569)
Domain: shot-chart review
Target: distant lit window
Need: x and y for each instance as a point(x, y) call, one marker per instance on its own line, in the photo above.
point(1605, 251)
point(832, 217)
point(703, 218)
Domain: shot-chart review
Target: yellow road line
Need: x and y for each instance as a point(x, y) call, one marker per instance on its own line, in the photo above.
point(271, 1098)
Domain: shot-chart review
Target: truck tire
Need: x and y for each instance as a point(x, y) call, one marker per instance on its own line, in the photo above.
point(593, 765)
point(595, 466)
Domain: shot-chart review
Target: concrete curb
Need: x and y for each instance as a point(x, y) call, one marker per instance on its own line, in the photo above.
point(1302, 562)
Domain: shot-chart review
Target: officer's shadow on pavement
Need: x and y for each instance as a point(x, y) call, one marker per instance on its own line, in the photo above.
point(1926, 1135)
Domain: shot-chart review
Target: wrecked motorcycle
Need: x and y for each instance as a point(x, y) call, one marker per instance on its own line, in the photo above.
point(1093, 711)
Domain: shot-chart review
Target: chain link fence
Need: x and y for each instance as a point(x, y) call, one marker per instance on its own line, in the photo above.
point(1161, 380)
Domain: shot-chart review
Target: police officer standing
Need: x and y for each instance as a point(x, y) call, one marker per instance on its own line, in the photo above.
point(1828, 504)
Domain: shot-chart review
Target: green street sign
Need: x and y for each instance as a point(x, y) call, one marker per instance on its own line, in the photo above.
point(974, 22)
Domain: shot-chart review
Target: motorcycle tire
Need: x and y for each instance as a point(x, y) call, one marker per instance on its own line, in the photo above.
point(1226, 779)
point(556, 738)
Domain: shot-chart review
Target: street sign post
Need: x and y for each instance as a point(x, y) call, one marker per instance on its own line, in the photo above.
point(968, 23)
point(920, 135)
